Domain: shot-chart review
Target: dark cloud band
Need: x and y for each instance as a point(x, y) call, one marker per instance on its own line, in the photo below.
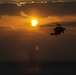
point(40, 10)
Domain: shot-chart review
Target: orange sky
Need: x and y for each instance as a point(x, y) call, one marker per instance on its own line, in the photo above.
point(23, 21)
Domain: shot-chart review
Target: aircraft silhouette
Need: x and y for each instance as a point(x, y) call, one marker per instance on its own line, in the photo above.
point(58, 30)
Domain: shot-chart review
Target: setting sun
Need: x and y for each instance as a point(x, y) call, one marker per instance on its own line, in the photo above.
point(34, 22)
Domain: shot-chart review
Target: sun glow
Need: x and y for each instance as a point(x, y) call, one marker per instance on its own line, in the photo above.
point(34, 22)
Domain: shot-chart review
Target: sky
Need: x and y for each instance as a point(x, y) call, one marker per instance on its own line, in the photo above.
point(45, 13)
point(19, 41)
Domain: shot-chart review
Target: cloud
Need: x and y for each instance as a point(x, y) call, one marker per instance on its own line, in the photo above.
point(66, 18)
point(12, 14)
point(39, 10)
point(50, 9)
point(24, 15)
point(9, 9)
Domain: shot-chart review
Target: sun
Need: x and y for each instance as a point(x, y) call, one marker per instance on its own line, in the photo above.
point(34, 22)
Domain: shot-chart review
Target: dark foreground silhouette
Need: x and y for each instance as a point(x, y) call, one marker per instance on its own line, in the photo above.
point(58, 30)
point(37, 68)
